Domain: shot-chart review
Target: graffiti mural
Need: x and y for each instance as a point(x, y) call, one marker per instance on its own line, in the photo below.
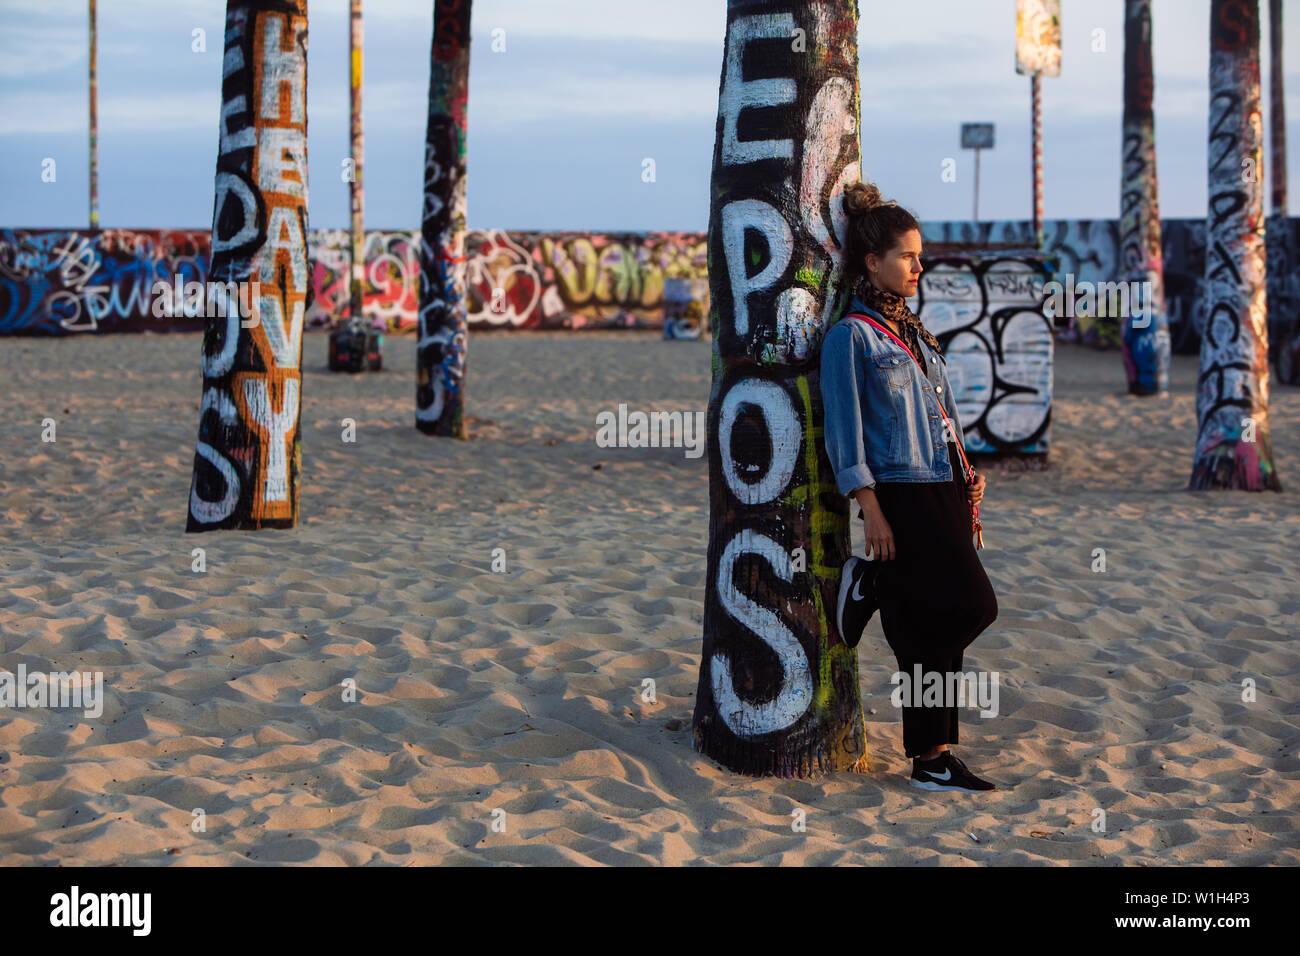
point(515, 280)
point(1284, 297)
point(57, 282)
point(389, 282)
point(1183, 245)
point(778, 689)
point(1233, 447)
point(60, 282)
point(686, 308)
point(249, 452)
point(1090, 250)
point(988, 314)
point(1144, 331)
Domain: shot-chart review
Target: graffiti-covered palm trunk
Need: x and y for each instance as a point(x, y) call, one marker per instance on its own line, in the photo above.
point(1145, 333)
point(1277, 109)
point(249, 452)
point(356, 194)
point(443, 323)
point(94, 118)
point(1233, 449)
point(778, 689)
point(1283, 253)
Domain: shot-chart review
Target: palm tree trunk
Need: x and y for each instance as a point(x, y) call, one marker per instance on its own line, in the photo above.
point(94, 118)
point(249, 451)
point(1036, 153)
point(1277, 108)
point(1283, 305)
point(1145, 342)
point(1233, 449)
point(356, 194)
point(443, 322)
point(778, 689)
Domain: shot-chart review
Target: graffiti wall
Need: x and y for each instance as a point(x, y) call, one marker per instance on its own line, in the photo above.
point(60, 282)
point(517, 280)
point(686, 308)
point(1086, 248)
point(56, 282)
point(987, 313)
point(1090, 249)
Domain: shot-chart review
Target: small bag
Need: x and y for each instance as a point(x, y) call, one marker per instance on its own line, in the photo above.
point(977, 529)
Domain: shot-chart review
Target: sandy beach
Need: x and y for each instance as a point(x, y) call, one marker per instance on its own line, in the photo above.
point(481, 691)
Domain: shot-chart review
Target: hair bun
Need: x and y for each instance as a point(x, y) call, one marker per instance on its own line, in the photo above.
point(861, 197)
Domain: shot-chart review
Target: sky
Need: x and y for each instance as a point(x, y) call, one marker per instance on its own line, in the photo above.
point(561, 120)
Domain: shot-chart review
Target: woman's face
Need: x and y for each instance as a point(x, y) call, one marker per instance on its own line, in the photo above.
point(899, 269)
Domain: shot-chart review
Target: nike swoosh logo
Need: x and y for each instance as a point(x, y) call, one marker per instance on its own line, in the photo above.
point(857, 589)
point(946, 775)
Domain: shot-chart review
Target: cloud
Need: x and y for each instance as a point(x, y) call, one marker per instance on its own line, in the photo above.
point(600, 83)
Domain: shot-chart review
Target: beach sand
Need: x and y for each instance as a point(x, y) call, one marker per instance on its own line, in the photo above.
point(521, 691)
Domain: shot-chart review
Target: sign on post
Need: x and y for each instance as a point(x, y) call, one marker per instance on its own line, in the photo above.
point(976, 135)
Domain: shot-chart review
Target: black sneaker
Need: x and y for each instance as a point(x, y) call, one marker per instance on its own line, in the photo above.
point(946, 772)
point(857, 601)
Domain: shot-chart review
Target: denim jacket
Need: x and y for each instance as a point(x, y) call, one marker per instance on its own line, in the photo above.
point(882, 420)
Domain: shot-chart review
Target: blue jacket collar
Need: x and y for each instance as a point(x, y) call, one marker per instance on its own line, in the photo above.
point(857, 305)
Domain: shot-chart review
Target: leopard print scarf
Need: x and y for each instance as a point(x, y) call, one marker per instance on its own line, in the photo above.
point(894, 307)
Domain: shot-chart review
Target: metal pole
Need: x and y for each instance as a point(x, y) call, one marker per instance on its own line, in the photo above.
point(94, 126)
point(355, 194)
point(977, 184)
point(1036, 106)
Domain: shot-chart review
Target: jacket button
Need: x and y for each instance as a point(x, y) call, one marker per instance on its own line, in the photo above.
point(938, 388)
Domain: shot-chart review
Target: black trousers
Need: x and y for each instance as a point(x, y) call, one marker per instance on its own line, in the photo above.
point(935, 597)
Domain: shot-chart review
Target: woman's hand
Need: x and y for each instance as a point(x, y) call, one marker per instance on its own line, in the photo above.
point(975, 491)
point(880, 537)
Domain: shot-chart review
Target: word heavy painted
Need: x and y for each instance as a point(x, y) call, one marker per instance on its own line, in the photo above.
point(249, 451)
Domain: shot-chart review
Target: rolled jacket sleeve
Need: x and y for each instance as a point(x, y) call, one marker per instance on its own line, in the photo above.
point(842, 383)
